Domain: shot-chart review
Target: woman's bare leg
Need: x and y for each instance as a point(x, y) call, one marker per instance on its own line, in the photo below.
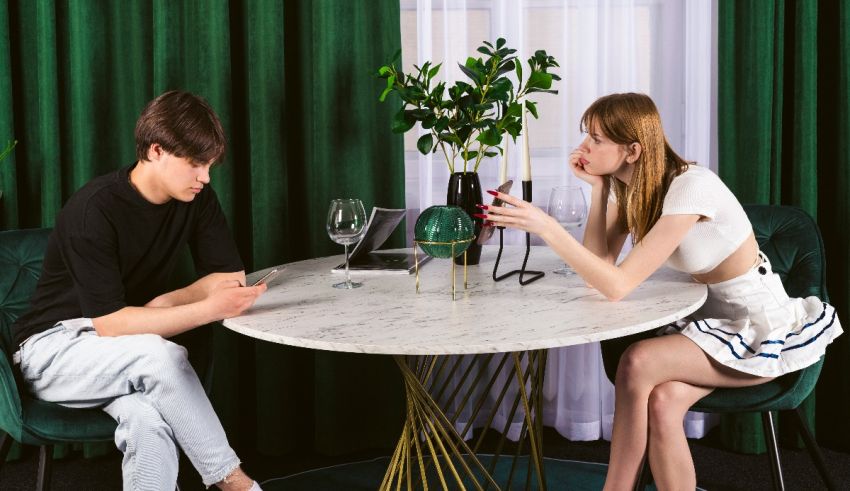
point(669, 455)
point(644, 366)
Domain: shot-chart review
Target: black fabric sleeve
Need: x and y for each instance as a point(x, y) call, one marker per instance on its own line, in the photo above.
point(212, 245)
point(90, 253)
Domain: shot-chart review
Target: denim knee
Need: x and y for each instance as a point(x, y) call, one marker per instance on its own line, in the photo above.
point(161, 353)
point(160, 359)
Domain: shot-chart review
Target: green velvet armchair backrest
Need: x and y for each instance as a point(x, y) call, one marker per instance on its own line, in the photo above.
point(791, 239)
point(21, 253)
point(28, 420)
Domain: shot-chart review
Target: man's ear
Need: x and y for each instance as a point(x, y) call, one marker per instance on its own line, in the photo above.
point(634, 152)
point(155, 152)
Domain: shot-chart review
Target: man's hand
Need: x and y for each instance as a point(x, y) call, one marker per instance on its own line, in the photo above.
point(229, 298)
point(197, 291)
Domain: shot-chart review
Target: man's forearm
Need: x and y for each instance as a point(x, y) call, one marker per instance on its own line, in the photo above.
point(165, 321)
point(195, 292)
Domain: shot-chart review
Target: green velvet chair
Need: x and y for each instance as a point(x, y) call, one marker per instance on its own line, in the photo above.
point(23, 418)
point(792, 242)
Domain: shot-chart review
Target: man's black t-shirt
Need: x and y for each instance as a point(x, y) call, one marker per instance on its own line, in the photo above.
point(111, 248)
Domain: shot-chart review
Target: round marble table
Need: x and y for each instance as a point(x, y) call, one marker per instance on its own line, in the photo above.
point(507, 326)
point(387, 316)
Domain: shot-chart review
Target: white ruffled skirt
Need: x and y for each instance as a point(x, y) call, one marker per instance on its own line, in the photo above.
point(750, 324)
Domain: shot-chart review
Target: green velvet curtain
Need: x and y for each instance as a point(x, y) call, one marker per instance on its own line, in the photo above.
point(292, 82)
point(784, 138)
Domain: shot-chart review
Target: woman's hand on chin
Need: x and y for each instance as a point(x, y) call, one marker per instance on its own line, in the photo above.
point(520, 215)
point(577, 162)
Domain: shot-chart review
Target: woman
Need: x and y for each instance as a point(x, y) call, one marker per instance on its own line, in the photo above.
point(748, 331)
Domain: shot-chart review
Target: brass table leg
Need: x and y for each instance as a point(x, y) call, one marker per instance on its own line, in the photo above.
point(440, 390)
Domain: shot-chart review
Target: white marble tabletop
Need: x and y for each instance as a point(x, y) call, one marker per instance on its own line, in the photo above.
point(387, 316)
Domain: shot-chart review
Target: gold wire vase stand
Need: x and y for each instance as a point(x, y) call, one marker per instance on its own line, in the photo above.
point(447, 396)
point(454, 244)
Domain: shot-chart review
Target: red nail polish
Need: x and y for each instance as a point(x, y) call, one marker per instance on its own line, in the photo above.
point(483, 207)
point(494, 193)
point(479, 215)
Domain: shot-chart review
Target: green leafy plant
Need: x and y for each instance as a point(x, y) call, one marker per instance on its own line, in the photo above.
point(468, 119)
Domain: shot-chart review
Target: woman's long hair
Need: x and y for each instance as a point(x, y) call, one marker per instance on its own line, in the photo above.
point(633, 118)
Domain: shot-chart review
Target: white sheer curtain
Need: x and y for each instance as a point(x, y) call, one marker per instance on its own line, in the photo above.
point(659, 47)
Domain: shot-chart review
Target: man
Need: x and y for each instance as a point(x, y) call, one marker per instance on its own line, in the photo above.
point(95, 332)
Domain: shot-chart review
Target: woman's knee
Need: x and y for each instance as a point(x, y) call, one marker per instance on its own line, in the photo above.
point(668, 404)
point(634, 363)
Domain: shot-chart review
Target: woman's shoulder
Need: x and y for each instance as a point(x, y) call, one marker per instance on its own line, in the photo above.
point(695, 172)
point(696, 179)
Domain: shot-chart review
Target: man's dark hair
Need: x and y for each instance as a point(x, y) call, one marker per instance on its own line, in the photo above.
point(183, 124)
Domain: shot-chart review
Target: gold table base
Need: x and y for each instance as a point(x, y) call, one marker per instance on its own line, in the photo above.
point(442, 389)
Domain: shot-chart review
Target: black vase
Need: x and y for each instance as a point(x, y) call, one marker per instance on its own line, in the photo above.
point(465, 192)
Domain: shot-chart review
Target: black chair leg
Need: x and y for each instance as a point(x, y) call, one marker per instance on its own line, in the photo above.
point(644, 476)
point(45, 465)
point(814, 449)
point(772, 450)
point(5, 446)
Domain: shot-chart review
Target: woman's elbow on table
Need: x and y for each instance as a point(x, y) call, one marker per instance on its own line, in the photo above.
point(617, 291)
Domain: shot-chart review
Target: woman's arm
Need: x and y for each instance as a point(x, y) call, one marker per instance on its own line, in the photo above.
point(603, 235)
point(615, 282)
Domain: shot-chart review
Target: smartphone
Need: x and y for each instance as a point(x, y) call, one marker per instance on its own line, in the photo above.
point(268, 277)
point(487, 232)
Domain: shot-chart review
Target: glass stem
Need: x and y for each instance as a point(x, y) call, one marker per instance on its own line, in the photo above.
point(347, 274)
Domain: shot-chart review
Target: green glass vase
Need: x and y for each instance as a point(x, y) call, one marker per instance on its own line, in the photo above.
point(440, 227)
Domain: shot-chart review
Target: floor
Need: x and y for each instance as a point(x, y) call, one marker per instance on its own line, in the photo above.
point(716, 469)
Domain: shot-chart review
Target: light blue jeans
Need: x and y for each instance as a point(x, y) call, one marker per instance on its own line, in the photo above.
point(143, 381)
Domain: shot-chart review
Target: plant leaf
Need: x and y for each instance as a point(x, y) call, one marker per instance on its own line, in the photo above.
point(433, 71)
point(450, 138)
point(490, 137)
point(501, 85)
point(540, 80)
point(475, 77)
point(500, 42)
point(425, 143)
point(402, 122)
point(429, 121)
point(519, 73)
point(505, 68)
point(532, 108)
point(514, 110)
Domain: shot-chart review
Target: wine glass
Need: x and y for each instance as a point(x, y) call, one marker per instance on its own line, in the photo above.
point(346, 223)
point(568, 206)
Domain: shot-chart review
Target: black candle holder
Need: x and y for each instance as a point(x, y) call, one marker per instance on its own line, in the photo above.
point(534, 275)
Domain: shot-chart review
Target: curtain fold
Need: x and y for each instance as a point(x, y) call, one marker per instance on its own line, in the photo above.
point(783, 139)
point(293, 84)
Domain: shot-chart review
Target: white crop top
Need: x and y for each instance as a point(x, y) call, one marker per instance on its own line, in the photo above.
point(725, 226)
